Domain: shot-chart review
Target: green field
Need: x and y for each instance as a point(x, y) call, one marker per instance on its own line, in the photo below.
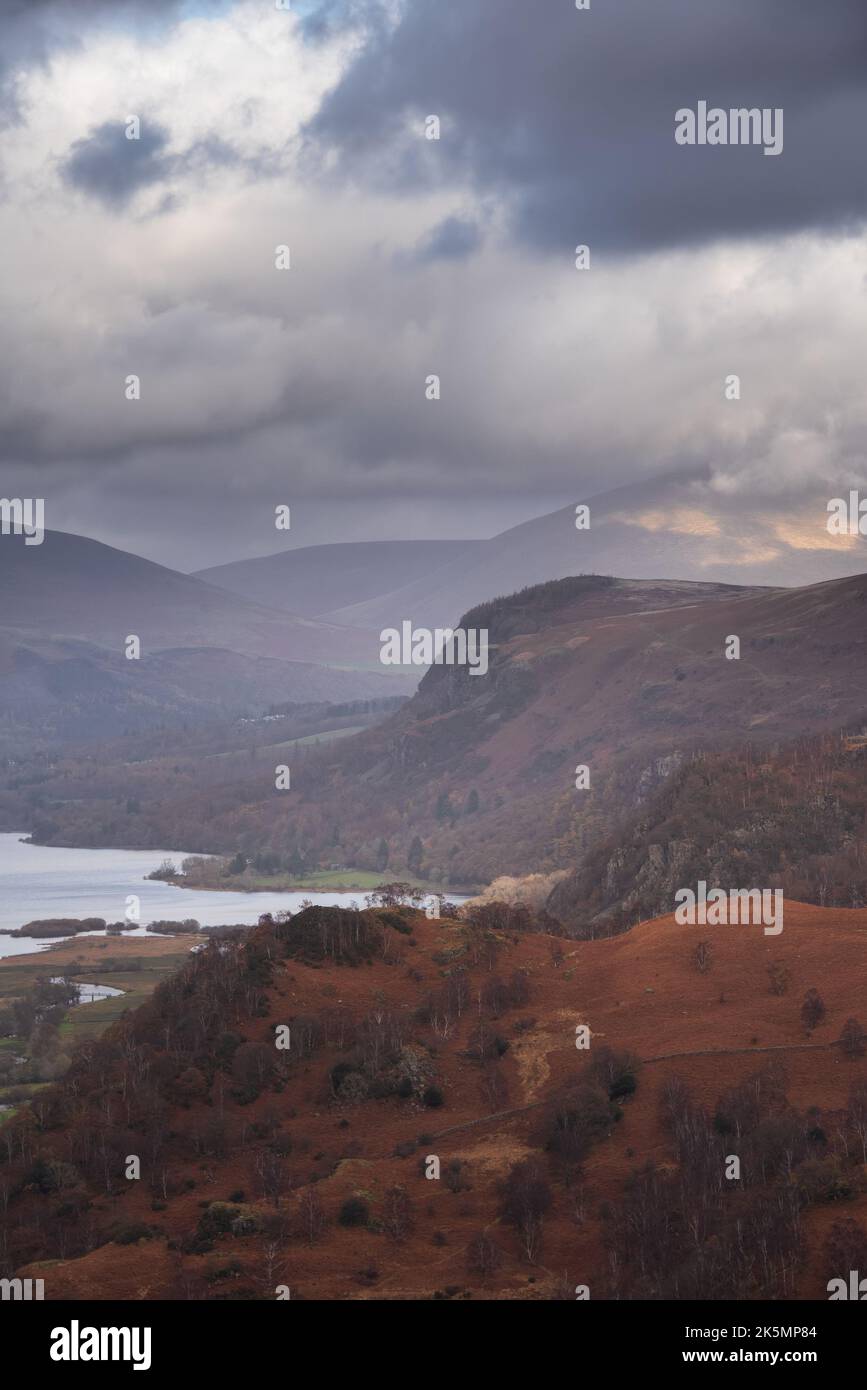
point(122, 965)
point(312, 881)
point(321, 880)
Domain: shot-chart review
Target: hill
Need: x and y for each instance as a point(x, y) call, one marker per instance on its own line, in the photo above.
point(679, 526)
point(72, 587)
point(317, 579)
point(791, 816)
point(475, 777)
point(412, 1040)
point(71, 603)
point(387, 784)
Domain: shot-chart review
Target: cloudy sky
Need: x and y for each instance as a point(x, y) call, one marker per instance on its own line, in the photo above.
point(305, 126)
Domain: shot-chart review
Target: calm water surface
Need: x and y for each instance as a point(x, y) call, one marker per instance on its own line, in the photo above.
point(41, 881)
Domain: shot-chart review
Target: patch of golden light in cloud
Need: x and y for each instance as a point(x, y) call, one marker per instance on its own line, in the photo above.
point(741, 553)
point(682, 521)
point(811, 533)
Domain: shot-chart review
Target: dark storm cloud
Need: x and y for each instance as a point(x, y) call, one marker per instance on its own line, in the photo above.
point(261, 388)
point(111, 167)
point(568, 115)
point(107, 165)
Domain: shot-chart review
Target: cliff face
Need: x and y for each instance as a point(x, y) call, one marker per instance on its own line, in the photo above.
point(792, 818)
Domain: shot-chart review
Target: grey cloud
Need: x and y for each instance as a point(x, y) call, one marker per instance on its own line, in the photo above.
point(111, 167)
point(108, 166)
point(309, 387)
point(452, 240)
point(31, 29)
point(568, 116)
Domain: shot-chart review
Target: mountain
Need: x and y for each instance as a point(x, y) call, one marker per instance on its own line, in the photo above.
point(319, 578)
point(74, 587)
point(70, 604)
point(678, 526)
point(432, 1132)
point(511, 737)
point(475, 776)
point(64, 692)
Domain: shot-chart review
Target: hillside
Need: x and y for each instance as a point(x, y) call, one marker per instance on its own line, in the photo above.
point(72, 587)
point(69, 606)
point(115, 792)
point(475, 776)
point(790, 817)
point(624, 678)
point(317, 579)
point(678, 526)
point(412, 1038)
point(495, 734)
point(63, 693)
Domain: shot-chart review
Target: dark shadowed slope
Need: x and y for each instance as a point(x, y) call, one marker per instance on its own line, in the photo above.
point(69, 605)
point(71, 586)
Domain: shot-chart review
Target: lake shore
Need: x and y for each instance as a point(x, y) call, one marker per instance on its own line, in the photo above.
point(134, 967)
point(348, 881)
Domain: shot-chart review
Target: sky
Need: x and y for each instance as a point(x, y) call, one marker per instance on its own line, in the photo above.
point(262, 127)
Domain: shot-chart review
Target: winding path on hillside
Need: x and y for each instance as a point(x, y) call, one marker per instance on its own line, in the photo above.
point(645, 1061)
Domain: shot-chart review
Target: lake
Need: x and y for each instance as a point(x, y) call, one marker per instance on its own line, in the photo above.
point(41, 881)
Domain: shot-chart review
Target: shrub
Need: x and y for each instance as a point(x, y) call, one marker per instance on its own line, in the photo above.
point(483, 1256)
point(812, 1010)
point(852, 1038)
point(129, 1235)
point(616, 1071)
point(354, 1212)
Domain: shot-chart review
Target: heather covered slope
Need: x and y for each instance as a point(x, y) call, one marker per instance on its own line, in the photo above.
point(791, 816)
point(391, 784)
point(475, 775)
point(413, 1038)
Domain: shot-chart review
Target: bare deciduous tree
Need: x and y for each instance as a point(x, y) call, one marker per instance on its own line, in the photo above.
point(483, 1256)
point(812, 1010)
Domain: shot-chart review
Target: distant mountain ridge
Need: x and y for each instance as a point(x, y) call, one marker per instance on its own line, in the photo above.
point(673, 527)
point(71, 586)
point(70, 604)
point(318, 579)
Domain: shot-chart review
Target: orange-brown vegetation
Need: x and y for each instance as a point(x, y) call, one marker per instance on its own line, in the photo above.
point(413, 1038)
point(475, 777)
